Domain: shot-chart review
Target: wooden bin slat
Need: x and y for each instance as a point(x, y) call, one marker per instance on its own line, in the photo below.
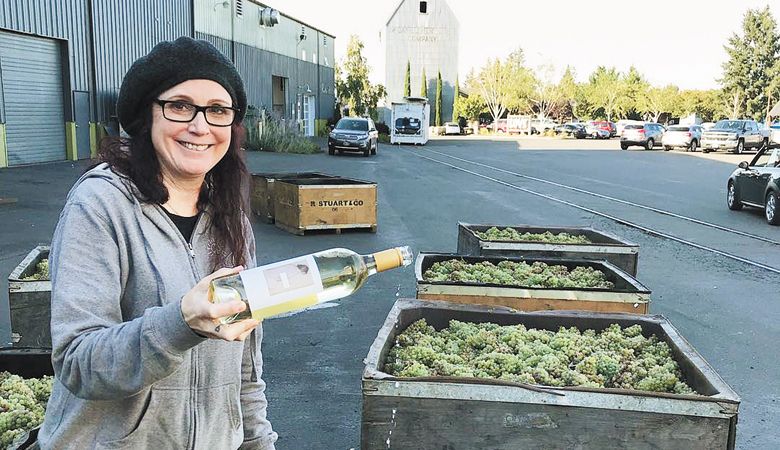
point(628, 296)
point(604, 246)
point(318, 204)
point(477, 413)
point(262, 196)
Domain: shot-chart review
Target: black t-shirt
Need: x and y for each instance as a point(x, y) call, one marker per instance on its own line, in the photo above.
point(186, 225)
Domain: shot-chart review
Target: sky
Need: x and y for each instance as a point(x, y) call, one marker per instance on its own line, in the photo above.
point(670, 42)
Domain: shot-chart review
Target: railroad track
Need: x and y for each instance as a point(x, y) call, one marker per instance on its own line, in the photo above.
point(619, 220)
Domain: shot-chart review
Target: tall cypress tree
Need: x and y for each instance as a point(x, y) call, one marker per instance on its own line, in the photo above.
point(424, 87)
point(408, 80)
point(438, 100)
point(455, 112)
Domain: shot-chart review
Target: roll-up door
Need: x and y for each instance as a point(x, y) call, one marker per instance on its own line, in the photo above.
point(32, 100)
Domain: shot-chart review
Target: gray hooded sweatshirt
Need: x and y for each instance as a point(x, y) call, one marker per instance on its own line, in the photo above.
point(129, 372)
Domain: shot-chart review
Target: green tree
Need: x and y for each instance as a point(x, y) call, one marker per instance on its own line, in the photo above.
point(634, 89)
point(520, 83)
point(604, 92)
point(658, 100)
point(438, 100)
point(705, 104)
point(472, 105)
point(456, 101)
point(424, 85)
point(547, 96)
point(353, 88)
point(749, 74)
point(494, 83)
point(408, 80)
point(568, 89)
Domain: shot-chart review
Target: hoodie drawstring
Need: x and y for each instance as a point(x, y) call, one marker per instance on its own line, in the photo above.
point(252, 354)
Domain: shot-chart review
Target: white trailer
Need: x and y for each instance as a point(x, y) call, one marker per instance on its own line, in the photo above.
point(518, 124)
point(409, 121)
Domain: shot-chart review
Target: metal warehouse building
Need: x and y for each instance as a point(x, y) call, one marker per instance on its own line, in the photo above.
point(62, 62)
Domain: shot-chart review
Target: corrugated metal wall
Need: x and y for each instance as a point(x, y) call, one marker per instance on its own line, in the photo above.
point(258, 66)
point(144, 23)
point(100, 39)
point(57, 19)
point(35, 131)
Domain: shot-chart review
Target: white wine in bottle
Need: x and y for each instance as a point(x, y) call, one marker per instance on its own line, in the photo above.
point(301, 282)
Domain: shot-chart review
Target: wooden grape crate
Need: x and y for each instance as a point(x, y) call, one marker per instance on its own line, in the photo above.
point(474, 413)
point(262, 196)
point(325, 204)
point(606, 246)
point(627, 296)
point(30, 303)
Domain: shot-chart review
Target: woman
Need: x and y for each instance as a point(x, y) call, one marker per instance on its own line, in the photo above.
point(139, 360)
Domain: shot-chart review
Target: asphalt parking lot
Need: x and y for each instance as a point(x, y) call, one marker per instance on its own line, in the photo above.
point(726, 308)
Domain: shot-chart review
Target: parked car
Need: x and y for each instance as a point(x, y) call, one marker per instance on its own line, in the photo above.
point(757, 184)
point(682, 136)
point(575, 130)
point(500, 126)
point(735, 136)
point(355, 134)
point(539, 126)
point(646, 135)
point(609, 127)
point(451, 128)
point(621, 125)
point(774, 134)
point(596, 132)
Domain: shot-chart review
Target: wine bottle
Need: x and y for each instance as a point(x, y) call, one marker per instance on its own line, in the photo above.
point(301, 282)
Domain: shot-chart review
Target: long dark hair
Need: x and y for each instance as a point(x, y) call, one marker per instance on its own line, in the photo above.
point(224, 191)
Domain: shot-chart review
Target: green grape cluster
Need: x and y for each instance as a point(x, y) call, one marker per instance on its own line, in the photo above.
point(41, 272)
point(22, 405)
point(511, 273)
point(615, 357)
point(510, 234)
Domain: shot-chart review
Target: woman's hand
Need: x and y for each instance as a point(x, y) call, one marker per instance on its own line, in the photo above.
point(203, 316)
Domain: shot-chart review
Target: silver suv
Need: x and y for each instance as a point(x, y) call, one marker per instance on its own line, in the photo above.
point(646, 135)
point(682, 136)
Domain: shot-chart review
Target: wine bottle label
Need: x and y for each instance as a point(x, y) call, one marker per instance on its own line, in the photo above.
point(281, 282)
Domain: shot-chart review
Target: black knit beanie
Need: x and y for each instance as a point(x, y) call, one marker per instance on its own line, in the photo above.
point(168, 64)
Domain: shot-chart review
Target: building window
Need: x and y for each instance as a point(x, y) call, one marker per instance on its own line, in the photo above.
point(326, 61)
point(303, 54)
point(314, 58)
point(239, 8)
point(423, 7)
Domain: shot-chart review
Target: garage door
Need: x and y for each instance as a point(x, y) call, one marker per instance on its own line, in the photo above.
point(32, 100)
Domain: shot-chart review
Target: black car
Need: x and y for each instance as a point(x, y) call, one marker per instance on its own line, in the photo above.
point(757, 184)
point(575, 130)
point(355, 134)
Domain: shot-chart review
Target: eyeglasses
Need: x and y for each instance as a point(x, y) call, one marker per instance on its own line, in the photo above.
point(180, 111)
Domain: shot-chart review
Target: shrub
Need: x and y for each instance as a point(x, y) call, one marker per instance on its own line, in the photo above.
point(382, 128)
point(270, 133)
